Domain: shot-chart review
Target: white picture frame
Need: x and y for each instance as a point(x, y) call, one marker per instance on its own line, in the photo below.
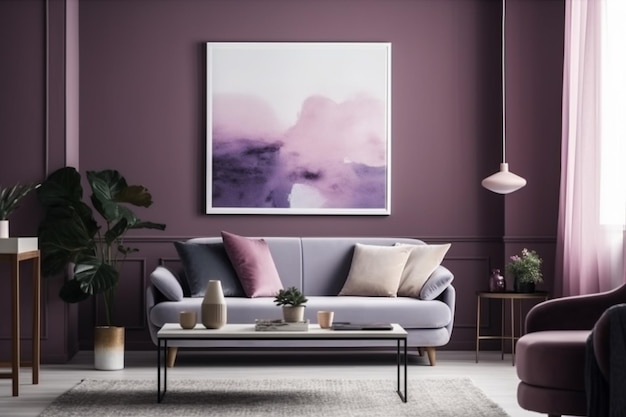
point(298, 128)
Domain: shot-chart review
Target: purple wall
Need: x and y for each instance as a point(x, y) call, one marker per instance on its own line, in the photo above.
point(142, 111)
point(142, 90)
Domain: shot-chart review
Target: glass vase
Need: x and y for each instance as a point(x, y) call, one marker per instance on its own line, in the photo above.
point(496, 281)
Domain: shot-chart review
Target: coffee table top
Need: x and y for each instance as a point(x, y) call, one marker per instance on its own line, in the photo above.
point(246, 331)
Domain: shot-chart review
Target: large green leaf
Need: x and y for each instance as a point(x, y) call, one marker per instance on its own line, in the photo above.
point(53, 263)
point(126, 250)
point(95, 276)
point(71, 292)
point(116, 231)
point(62, 187)
point(126, 213)
point(106, 185)
point(148, 225)
point(66, 232)
point(110, 191)
point(137, 195)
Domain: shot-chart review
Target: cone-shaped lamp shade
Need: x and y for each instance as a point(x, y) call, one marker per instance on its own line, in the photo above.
point(503, 181)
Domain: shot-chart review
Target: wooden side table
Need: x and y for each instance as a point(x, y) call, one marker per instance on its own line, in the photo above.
point(512, 297)
point(16, 250)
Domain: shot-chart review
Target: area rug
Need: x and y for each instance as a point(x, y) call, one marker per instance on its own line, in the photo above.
point(274, 397)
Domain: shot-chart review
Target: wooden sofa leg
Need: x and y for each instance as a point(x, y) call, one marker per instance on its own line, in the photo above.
point(432, 355)
point(419, 351)
point(171, 356)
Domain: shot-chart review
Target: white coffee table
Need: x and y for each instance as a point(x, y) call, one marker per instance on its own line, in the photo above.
point(173, 331)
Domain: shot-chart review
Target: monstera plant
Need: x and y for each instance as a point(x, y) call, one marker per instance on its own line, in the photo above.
point(70, 235)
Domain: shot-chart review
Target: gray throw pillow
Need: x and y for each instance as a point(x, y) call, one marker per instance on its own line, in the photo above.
point(205, 261)
point(438, 281)
point(165, 281)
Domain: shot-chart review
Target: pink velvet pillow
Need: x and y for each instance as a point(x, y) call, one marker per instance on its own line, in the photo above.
point(253, 263)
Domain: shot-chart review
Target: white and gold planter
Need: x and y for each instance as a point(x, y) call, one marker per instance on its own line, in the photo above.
point(108, 348)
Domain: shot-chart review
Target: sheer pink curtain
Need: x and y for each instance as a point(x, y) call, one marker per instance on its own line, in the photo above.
point(589, 255)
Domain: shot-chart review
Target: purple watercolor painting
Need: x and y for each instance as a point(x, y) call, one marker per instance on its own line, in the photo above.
point(298, 128)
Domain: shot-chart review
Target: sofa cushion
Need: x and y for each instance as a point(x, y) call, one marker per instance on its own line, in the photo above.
point(375, 270)
point(253, 263)
point(544, 359)
point(438, 281)
point(205, 261)
point(167, 284)
point(409, 312)
point(423, 260)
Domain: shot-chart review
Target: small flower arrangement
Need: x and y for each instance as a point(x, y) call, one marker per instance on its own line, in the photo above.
point(526, 268)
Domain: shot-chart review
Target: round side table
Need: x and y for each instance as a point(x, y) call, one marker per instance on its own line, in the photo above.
point(504, 296)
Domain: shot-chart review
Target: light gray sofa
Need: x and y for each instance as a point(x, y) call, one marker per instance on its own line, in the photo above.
point(319, 267)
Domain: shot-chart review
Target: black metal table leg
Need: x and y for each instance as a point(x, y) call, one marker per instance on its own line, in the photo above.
point(161, 345)
point(398, 365)
point(406, 356)
point(403, 395)
point(159, 371)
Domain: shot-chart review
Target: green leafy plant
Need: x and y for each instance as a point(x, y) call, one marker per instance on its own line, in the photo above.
point(526, 268)
point(11, 196)
point(290, 296)
point(69, 233)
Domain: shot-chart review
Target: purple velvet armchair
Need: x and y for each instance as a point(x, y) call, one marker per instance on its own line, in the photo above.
point(550, 357)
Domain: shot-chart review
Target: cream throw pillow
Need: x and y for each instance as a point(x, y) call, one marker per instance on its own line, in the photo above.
point(376, 270)
point(422, 262)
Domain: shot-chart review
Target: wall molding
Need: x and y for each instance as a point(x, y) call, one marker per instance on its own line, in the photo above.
point(529, 239)
point(428, 239)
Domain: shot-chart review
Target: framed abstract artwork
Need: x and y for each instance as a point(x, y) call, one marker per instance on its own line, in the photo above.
point(298, 128)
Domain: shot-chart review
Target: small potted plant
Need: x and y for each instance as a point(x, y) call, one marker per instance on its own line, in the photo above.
point(9, 199)
point(293, 302)
point(526, 270)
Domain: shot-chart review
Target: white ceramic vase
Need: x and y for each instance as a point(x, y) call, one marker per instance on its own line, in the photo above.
point(213, 309)
point(4, 229)
point(108, 348)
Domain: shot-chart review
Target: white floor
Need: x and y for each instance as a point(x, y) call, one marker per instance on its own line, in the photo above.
point(494, 376)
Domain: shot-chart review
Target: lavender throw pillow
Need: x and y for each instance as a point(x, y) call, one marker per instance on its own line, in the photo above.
point(254, 265)
point(167, 284)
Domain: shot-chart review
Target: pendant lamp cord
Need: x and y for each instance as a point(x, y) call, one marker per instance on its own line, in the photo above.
point(503, 83)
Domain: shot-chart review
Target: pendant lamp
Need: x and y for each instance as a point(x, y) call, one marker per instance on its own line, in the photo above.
point(503, 181)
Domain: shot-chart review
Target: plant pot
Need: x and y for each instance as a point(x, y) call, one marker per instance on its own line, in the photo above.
point(108, 348)
point(524, 287)
point(213, 310)
point(4, 229)
point(293, 314)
